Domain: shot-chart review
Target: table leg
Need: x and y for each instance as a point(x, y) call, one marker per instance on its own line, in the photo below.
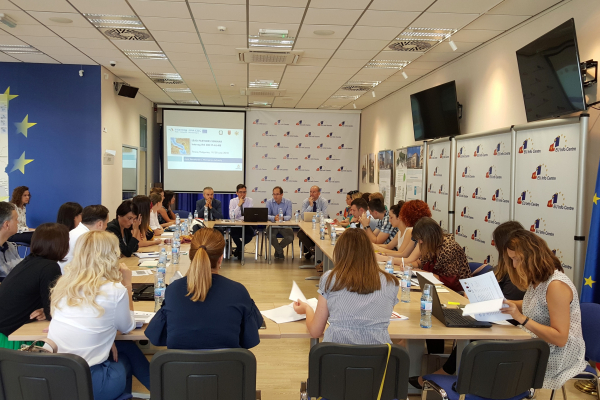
point(317, 253)
point(269, 227)
point(314, 341)
point(460, 346)
point(243, 244)
point(416, 349)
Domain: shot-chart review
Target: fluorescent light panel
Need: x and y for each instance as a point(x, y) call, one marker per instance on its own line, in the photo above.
point(391, 64)
point(263, 84)
point(19, 49)
point(426, 34)
point(261, 42)
point(177, 90)
point(115, 21)
point(187, 102)
point(145, 54)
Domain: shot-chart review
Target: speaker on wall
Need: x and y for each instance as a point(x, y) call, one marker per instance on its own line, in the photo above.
point(125, 90)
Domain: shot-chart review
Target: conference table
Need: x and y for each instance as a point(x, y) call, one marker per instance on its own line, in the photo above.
point(404, 329)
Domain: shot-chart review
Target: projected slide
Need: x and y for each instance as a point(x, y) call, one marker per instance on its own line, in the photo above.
point(197, 148)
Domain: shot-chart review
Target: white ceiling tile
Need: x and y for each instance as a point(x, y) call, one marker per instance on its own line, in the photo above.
point(426, 64)
point(182, 47)
point(176, 37)
point(229, 68)
point(359, 44)
point(497, 22)
point(234, 101)
point(401, 5)
point(110, 7)
point(75, 32)
point(169, 24)
point(374, 32)
point(175, 56)
point(337, 62)
point(69, 51)
point(86, 44)
point(298, 69)
point(320, 43)
point(316, 53)
point(210, 100)
point(7, 6)
point(67, 59)
point(221, 58)
point(445, 57)
point(463, 47)
point(340, 31)
point(211, 26)
point(276, 3)
point(225, 39)
point(168, 9)
point(443, 20)
point(7, 58)
point(356, 54)
point(22, 18)
point(27, 30)
point(219, 49)
point(341, 4)
point(463, 6)
point(317, 62)
point(11, 40)
point(285, 15)
point(398, 55)
point(329, 16)
point(520, 7)
point(476, 36)
point(35, 58)
point(292, 29)
point(136, 45)
point(202, 64)
point(154, 65)
point(208, 11)
point(44, 17)
point(374, 74)
point(257, 69)
point(386, 18)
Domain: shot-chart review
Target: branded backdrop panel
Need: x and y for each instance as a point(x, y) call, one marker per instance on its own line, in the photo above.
point(438, 181)
point(546, 187)
point(298, 150)
point(482, 193)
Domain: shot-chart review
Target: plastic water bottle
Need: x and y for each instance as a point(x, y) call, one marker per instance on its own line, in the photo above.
point(206, 212)
point(297, 216)
point(177, 219)
point(389, 266)
point(314, 222)
point(159, 280)
point(426, 307)
point(406, 275)
point(322, 232)
point(281, 215)
point(175, 247)
point(333, 236)
point(190, 221)
point(196, 214)
point(184, 227)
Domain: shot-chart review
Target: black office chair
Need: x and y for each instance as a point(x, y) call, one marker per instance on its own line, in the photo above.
point(352, 372)
point(494, 369)
point(35, 376)
point(228, 374)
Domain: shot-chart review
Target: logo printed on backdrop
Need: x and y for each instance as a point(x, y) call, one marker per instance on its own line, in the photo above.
point(466, 250)
point(279, 168)
point(340, 191)
point(331, 135)
point(431, 156)
point(461, 192)
point(288, 157)
point(299, 168)
point(258, 168)
point(539, 227)
point(299, 146)
point(343, 147)
point(489, 259)
point(541, 173)
point(527, 147)
point(460, 232)
point(300, 123)
point(435, 207)
point(491, 173)
point(490, 218)
point(500, 150)
point(467, 173)
point(266, 179)
point(310, 157)
point(322, 123)
point(287, 179)
point(330, 158)
point(442, 191)
point(343, 124)
point(462, 153)
point(321, 146)
point(308, 180)
point(498, 196)
point(476, 236)
point(443, 154)
point(255, 144)
point(436, 173)
point(465, 213)
point(263, 201)
point(559, 255)
point(280, 146)
point(557, 147)
point(477, 194)
point(257, 122)
point(311, 135)
point(429, 190)
point(256, 190)
point(331, 180)
point(552, 203)
point(323, 170)
point(300, 190)
point(341, 169)
point(289, 134)
point(523, 199)
point(280, 122)
point(266, 133)
point(479, 152)
point(266, 157)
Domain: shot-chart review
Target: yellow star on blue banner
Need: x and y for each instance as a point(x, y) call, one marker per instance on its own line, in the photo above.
point(588, 281)
point(596, 198)
point(20, 164)
point(6, 96)
point(24, 125)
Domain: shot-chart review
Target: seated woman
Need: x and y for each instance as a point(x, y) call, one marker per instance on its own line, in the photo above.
point(500, 236)
point(440, 254)
point(69, 214)
point(351, 195)
point(21, 198)
point(127, 228)
point(25, 292)
point(143, 205)
point(204, 310)
point(356, 283)
point(89, 304)
point(156, 203)
point(166, 216)
point(550, 307)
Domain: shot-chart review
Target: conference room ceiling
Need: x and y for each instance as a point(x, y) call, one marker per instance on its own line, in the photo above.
point(175, 53)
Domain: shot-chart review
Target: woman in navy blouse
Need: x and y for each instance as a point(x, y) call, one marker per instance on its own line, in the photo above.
point(204, 310)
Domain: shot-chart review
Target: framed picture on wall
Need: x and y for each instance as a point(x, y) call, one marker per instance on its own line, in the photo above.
point(364, 172)
point(371, 167)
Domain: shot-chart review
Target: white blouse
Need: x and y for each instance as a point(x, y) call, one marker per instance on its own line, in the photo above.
point(81, 331)
point(22, 220)
point(154, 224)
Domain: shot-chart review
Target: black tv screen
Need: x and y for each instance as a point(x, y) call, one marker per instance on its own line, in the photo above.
point(550, 74)
point(435, 112)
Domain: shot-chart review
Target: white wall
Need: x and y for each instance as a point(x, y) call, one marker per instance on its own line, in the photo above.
point(121, 118)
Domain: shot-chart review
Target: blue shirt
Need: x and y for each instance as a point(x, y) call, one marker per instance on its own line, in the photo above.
point(321, 206)
point(226, 319)
point(285, 205)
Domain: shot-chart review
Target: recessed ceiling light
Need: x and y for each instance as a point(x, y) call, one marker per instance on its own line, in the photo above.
point(270, 42)
point(360, 86)
point(259, 103)
point(19, 49)
point(61, 20)
point(187, 102)
point(393, 64)
point(177, 90)
point(145, 54)
point(344, 97)
point(323, 32)
point(263, 84)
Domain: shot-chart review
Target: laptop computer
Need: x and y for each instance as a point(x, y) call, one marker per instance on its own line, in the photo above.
point(256, 214)
point(451, 317)
point(308, 216)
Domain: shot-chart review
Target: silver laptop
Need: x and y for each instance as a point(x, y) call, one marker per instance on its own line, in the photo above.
point(308, 216)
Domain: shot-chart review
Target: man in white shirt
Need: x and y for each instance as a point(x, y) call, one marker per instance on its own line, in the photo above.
point(9, 255)
point(236, 211)
point(93, 218)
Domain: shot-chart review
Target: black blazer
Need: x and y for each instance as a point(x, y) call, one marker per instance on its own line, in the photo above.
point(128, 246)
point(215, 213)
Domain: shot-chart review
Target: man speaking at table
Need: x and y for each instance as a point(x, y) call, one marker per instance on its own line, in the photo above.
point(314, 203)
point(274, 205)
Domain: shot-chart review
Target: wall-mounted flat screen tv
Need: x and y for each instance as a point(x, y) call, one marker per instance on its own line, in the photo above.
point(435, 112)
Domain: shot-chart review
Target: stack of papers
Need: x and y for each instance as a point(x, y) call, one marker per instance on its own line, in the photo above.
point(147, 255)
point(430, 277)
point(142, 317)
point(283, 314)
point(486, 298)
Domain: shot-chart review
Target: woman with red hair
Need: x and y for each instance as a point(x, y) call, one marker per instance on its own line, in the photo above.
point(403, 216)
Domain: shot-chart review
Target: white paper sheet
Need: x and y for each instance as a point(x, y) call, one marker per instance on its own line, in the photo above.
point(148, 263)
point(482, 307)
point(170, 234)
point(283, 314)
point(141, 272)
point(484, 290)
point(147, 255)
point(176, 275)
point(429, 276)
point(296, 293)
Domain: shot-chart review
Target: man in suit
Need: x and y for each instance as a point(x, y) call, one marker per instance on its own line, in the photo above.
point(214, 206)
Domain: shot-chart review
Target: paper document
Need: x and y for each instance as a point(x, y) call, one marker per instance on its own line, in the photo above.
point(142, 317)
point(482, 307)
point(167, 234)
point(484, 290)
point(148, 263)
point(141, 272)
point(296, 293)
point(147, 255)
point(283, 314)
point(397, 317)
point(429, 276)
point(176, 275)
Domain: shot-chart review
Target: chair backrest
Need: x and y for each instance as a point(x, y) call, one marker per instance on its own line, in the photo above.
point(352, 372)
point(590, 326)
point(500, 369)
point(42, 376)
point(182, 213)
point(228, 374)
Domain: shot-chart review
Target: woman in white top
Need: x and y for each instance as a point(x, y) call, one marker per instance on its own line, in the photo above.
point(156, 200)
point(89, 303)
point(550, 309)
point(20, 198)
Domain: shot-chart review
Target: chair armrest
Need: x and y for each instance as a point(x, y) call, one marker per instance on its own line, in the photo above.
point(430, 385)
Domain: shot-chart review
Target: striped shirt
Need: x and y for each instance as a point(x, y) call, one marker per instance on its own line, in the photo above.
point(359, 318)
point(385, 226)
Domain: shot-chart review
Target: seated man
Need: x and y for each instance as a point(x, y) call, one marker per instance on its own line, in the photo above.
point(215, 210)
point(274, 205)
point(384, 232)
point(236, 211)
point(314, 203)
point(358, 209)
point(9, 256)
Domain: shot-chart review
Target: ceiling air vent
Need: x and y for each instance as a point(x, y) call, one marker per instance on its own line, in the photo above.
point(269, 56)
point(262, 92)
point(126, 34)
point(411, 45)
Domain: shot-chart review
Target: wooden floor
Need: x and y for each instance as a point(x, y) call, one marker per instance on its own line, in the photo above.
point(283, 363)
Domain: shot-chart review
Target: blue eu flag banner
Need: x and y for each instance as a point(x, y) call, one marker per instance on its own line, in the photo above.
point(590, 290)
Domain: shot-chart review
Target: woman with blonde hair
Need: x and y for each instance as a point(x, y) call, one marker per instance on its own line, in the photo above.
point(550, 309)
point(89, 303)
point(204, 310)
point(356, 296)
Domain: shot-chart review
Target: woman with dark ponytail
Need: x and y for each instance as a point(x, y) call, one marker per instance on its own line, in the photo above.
point(204, 310)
